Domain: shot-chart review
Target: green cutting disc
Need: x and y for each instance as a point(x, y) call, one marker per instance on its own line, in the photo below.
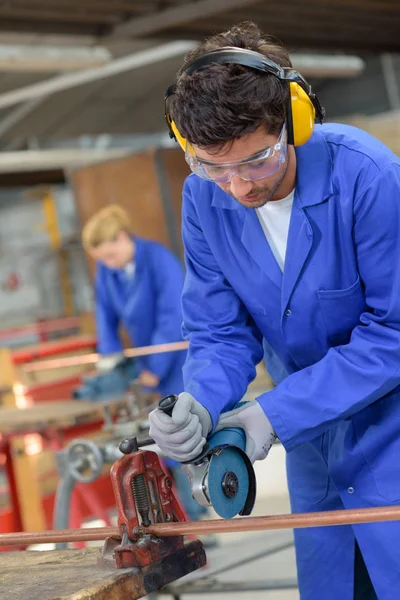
point(228, 482)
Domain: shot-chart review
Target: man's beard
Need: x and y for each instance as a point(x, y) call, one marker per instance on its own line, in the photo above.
point(266, 193)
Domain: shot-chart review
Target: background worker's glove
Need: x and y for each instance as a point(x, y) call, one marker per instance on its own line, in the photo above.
point(182, 435)
point(108, 362)
point(250, 417)
point(109, 382)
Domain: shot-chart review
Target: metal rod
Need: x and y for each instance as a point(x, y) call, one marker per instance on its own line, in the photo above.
point(241, 524)
point(85, 359)
point(145, 442)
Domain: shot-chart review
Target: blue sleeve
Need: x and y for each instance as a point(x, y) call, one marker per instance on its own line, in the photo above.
point(225, 345)
point(352, 376)
point(168, 276)
point(107, 321)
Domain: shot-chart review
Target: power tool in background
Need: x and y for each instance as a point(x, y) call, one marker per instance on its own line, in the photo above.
point(222, 476)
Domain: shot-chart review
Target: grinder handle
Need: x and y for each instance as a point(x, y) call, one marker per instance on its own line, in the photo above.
point(230, 436)
point(167, 404)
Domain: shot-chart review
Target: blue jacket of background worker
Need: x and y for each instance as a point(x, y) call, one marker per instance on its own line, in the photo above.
point(148, 305)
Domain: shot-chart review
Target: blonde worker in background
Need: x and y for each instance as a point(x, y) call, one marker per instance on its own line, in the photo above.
point(138, 285)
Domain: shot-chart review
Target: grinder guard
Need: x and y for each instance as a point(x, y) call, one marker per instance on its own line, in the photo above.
point(223, 476)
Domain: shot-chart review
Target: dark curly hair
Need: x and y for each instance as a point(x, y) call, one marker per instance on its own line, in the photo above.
point(217, 105)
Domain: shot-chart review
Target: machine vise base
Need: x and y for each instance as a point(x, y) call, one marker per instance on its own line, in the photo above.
point(157, 575)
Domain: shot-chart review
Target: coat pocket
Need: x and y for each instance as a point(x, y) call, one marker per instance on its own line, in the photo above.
point(307, 474)
point(377, 428)
point(341, 310)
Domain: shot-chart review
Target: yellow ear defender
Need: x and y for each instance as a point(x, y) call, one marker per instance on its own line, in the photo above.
point(179, 138)
point(303, 105)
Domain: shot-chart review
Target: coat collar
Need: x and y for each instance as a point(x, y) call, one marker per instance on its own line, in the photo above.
point(314, 170)
point(139, 250)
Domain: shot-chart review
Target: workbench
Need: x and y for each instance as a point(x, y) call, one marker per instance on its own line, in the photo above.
point(75, 575)
point(247, 563)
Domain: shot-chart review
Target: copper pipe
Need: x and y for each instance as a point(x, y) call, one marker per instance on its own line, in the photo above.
point(241, 524)
point(293, 521)
point(86, 359)
point(26, 538)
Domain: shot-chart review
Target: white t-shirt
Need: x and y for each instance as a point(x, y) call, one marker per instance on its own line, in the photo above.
point(130, 269)
point(275, 218)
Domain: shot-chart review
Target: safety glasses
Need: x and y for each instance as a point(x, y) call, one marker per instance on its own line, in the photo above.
point(258, 166)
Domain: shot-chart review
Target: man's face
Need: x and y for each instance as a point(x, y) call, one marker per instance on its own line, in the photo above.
point(251, 194)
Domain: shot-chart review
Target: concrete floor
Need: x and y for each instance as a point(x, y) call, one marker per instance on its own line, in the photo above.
point(271, 568)
point(233, 547)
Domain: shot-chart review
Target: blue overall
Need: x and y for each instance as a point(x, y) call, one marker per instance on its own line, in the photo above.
point(148, 305)
point(331, 327)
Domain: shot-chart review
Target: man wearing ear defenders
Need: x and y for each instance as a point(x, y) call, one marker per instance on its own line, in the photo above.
point(292, 241)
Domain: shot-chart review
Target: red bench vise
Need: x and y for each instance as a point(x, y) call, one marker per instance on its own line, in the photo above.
point(144, 496)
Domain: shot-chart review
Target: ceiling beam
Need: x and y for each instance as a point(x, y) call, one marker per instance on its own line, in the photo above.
point(114, 67)
point(18, 114)
point(178, 15)
point(69, 158)
point(45, 39)
point(327, 66)
point(55, 59)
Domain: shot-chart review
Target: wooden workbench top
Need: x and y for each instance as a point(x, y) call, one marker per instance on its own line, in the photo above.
point(75, 575)
point(59, 574)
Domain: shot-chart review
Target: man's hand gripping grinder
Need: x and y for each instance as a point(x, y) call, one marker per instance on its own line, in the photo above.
point(222, 476)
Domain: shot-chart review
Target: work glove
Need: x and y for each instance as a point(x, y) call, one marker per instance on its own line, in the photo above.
point(182, 435)
point(108, 362)
point(250, 417)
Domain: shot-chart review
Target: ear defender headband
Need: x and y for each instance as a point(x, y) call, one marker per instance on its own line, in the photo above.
point(303, 106)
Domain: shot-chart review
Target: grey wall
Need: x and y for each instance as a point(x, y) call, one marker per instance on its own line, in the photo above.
point(25, 249)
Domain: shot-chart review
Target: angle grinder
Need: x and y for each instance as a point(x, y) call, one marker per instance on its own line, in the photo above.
point(222, 476)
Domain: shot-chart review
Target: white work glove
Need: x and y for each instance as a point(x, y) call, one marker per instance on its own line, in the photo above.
point(250, 417)
point(109, 361)
point(183, 435)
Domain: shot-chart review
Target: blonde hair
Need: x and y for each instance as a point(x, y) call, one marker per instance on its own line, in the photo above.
point(105, 226)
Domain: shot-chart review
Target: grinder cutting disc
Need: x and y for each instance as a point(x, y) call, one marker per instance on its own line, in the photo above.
point(228, 482)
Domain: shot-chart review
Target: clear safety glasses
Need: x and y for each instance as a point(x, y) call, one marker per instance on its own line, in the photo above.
point(258, 166)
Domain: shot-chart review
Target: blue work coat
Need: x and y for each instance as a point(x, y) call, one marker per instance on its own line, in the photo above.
point(331, 322)
point(148, 305)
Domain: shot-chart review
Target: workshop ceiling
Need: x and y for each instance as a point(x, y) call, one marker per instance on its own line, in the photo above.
point(131, 102)
point(354, 25)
